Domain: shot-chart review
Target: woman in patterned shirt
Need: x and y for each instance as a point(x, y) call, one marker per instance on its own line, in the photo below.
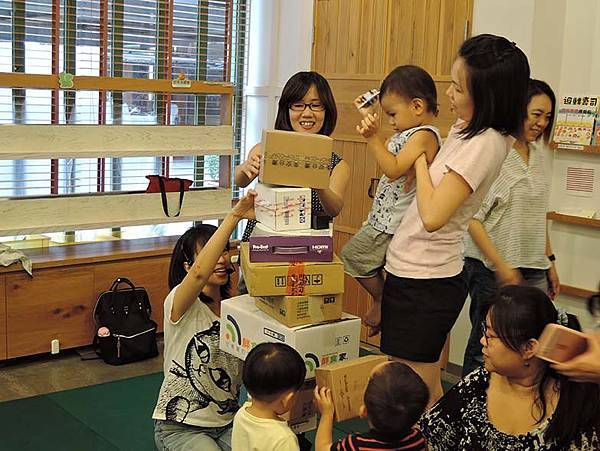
point(516, 401)
point(306, 105)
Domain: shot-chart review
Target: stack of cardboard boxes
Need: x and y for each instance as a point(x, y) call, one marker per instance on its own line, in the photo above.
point(294, 280)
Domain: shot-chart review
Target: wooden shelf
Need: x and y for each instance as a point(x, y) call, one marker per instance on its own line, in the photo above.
point(578, 220)
point(21, 142)
point(575, 147)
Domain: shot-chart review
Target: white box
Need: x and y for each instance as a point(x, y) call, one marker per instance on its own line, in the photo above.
point(264, 230)
point(243, 326)
point(283, 208)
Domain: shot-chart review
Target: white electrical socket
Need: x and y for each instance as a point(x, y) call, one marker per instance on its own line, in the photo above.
point(54, 346)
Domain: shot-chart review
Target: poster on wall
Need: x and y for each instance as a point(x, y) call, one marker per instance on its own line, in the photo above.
point(575, 119)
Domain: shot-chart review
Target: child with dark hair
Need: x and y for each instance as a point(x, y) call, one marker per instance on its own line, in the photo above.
point(199, 394)
point(408, 98)
point(273, 373)
point(394, 400)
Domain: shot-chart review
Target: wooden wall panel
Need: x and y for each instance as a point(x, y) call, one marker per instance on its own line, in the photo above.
point(357, 42)
point(2, 318)
point(150, 273)
point(56, 303)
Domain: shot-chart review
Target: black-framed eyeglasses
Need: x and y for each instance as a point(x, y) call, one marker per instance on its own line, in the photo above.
point(301, 106)
point(484, 332)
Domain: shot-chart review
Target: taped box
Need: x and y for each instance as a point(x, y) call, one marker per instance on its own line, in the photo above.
point(295, 159)
point(291, 279)
point(294, 311)
point(243, 326)
point(264, 230)
point(347, 382)
point(291, 248)
point(283, 208)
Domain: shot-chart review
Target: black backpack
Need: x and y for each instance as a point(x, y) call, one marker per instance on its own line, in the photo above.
point(124, 331)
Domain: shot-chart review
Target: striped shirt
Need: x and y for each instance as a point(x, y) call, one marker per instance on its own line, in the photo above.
point(514, 212)
point(413, 441)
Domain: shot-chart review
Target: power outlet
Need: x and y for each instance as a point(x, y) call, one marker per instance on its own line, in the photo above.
point(54, 346)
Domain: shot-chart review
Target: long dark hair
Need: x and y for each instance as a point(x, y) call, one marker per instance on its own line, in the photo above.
point(497, 79)
point(295, 89)
point(519, 314)
point(539, 87)
point(184, 252)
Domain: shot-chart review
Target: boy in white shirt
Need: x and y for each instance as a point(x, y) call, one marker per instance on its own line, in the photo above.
point(273, 373)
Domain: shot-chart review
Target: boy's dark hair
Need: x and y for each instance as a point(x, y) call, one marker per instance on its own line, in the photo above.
point(497, 79)
point(519, 314)
point(184, 252)
point(271, 369)
point(295, 89)
point(395, 398)
point(539, 87)
point(411, 82)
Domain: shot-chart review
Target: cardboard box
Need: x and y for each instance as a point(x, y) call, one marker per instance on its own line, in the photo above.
point(294, 311)
point(283, 208)
point(348, 381)
point(243, 326)
point(264, 230)
point(295, 159)
point(291, 279)
point(291, 248)
point(303, 415)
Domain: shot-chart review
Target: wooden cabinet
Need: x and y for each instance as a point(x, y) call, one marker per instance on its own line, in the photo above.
point(58, 301)
point(2, 319)
point(54, 304)
point(356, 44)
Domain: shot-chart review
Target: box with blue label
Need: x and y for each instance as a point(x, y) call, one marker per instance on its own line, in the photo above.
point(244, 325)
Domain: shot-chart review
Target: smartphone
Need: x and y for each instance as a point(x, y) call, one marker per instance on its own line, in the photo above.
point(559, 344)
point(369, 98)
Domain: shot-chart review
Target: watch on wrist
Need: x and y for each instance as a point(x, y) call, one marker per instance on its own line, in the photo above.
point(552, 257)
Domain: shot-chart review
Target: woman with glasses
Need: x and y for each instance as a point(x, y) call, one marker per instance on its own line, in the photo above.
point(508, 241)
point(516, 401)
point(306, 105)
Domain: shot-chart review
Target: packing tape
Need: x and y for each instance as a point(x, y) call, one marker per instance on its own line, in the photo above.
point(295, 280)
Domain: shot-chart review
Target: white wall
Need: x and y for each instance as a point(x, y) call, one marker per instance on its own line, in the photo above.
point(280, 44)
point(562, 41)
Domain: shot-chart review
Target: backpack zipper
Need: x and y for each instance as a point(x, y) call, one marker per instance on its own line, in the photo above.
point(119, 336)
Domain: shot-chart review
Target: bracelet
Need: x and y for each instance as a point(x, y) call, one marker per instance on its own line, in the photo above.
point(552, 257)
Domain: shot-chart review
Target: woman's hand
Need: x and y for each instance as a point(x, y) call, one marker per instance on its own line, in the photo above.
point(585, 367)
point(251, 167)
point(506, 275)
point(244, 209)
point(554, 288)
point(324, 401)
point(369, 126)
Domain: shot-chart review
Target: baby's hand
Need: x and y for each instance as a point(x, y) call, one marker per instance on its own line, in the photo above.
point(324, 401)
point(369, 126)
point(251, 167)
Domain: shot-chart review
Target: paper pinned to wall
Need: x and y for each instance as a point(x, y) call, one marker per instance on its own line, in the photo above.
point(580, 181)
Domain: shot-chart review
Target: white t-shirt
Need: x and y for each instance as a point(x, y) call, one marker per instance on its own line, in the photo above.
point(251, 433)
point(416, 253)
point(201, 383)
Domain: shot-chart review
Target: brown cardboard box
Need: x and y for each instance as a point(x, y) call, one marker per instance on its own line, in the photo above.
point(296, 311)
point(348, 381)
point(295, 159)
point(303, 414)
point(297, 279)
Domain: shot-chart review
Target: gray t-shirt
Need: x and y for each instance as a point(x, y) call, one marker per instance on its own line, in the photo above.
point(391, 201)
point(201, 383)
